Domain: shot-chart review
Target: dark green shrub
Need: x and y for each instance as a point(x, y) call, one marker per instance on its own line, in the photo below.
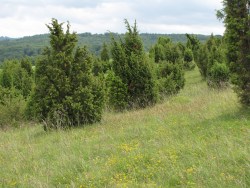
point(118, 94)
point(235, 15)
point(67, 93)
point(132, 68)
point(188, 59)
point(166, 50)
point(105, 53)
point(193, 43)
point(158, 53)
point(170, 78)
point(101, 67)
point(218, 75)
point(202, 60)
point(27, 66)
point(169, 68)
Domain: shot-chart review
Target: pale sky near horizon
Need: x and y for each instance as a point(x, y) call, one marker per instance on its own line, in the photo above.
point(20, 18)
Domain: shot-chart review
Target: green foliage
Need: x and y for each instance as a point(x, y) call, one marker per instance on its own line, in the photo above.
point(21, 47)
point(67, 93)
point(26, 65)
point(6, 79)
point(202, 60)
point(88, 94)
point(193, 43)
point(101, 67)
point(12, 108)
point(169, 67)
point(216, 51)
point(166, 50)
point(133, 69)
point(105, 53)
point(118, 93)
point(170, 78)
point(175, 54)
point(211, 62)
point(218, 75)
point(188, 59)
point(15, 88)
point(33, 46)
point(188, 55)
point(158, 53)
point(16, 76)
point(237, 35)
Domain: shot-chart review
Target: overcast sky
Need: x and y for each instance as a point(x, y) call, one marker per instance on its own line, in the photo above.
point(28, 17)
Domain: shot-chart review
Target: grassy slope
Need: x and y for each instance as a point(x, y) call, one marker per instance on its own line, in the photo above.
point(199, 138)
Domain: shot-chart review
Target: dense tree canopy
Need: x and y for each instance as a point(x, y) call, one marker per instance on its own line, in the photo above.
point(236, 15)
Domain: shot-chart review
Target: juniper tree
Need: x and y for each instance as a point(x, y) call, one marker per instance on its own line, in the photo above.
point(166, 50)
point(158, 53)
point(169, 68)
point(193, 43)
point(170, 78)
point(188, 59)
point(211, 62)
point(236, 16)
point(202, 60)
point(218, 75)
point(66, 93)
point(188, 55)
point(26, 65)
point(132, 67)
point(104, 52)
point(101, 66)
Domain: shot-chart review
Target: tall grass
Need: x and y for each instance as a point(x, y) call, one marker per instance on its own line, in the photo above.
point(199, 138)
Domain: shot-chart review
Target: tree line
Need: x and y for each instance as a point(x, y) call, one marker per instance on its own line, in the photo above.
point(33, 46)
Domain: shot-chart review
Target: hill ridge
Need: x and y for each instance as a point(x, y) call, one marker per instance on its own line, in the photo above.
point(32, 46)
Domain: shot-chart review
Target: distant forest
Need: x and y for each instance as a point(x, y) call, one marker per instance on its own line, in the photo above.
point(32, 46)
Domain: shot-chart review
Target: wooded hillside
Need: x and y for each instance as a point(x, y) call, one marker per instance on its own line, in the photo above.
point(32, 46)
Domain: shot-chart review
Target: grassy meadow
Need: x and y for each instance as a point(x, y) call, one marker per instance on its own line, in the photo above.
point(199, 138)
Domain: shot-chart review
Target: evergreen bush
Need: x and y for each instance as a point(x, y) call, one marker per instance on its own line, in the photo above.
point(171, 78)
point(132, 68)
point(235, 14)
point(218, 75)
point(67, 93)
point(188, 59)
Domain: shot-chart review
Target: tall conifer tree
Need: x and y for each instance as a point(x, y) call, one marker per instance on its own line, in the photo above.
point(236, 15)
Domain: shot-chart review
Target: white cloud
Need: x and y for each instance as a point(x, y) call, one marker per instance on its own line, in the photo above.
point(24, 17)
point(180, 29)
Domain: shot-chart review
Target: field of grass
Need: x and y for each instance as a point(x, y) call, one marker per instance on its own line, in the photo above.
point(199, 138)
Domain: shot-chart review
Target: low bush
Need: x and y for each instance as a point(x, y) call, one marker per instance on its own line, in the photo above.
point(12, 108)
point(218, 75)
point(170, 78)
